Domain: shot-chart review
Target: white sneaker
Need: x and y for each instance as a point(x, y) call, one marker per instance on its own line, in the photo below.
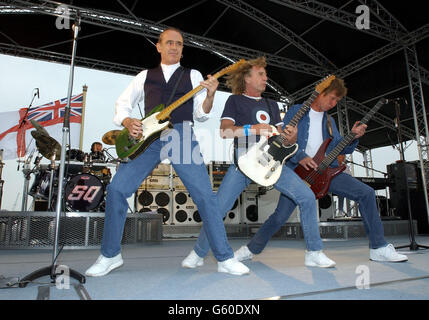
point(243, 254)
point(318, 259)
point(104, 265)
point(232, 266)
point(192, 261)
point(387, 253)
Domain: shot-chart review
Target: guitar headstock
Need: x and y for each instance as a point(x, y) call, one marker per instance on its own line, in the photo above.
point(230, 68)
point(325, 83)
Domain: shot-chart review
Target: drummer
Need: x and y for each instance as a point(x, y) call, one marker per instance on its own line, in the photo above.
point(97, 154)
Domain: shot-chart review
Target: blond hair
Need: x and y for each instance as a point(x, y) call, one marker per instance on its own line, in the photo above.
point(337, 85)
point(235, 80)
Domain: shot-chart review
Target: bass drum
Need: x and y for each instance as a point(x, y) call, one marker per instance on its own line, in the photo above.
point(84, 192)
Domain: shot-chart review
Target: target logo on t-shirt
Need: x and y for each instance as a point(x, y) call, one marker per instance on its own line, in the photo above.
point(262, 117)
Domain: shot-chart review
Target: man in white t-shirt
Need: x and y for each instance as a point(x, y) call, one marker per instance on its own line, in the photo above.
point(313, 128)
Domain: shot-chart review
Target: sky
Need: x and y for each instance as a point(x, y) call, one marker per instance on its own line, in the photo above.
point(19, 77)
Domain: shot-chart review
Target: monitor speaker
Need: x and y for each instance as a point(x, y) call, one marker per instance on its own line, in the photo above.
point(400, 174)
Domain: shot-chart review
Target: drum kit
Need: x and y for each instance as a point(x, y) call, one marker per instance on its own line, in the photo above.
point(86, 174)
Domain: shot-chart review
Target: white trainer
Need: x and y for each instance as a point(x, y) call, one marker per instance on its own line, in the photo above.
point(243, 254)
point(104, 265)
point(232, 266)
point(387, 253)
point(318, 259)
point(192, 260)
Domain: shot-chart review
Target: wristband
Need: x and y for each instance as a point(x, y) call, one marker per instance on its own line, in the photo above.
point(246, 128)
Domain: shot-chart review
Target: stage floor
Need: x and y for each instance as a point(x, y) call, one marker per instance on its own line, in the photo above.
point(153, 272)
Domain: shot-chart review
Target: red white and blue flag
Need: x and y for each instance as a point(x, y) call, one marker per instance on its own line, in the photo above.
point(15, 126)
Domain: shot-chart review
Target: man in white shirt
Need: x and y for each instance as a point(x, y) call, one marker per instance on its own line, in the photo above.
point(162, 85)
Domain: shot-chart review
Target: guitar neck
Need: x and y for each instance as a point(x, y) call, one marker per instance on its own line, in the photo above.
point(164, 114)
point(304, 108)
point(349, 137)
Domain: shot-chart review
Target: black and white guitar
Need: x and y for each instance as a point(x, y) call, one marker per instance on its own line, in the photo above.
point(263, 162)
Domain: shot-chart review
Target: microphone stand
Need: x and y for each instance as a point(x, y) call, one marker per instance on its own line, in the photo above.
point(52, 270)
point(413, 246)
point(24, 121)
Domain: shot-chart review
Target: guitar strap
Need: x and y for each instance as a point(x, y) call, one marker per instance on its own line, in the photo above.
point(329, 125)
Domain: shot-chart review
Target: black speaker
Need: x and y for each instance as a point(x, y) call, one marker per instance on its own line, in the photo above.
point(185, 211)
point(402, 173)
point(159, 201)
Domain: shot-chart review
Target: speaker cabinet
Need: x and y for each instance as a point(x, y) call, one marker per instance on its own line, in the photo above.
point(401, 174)
point(233, 216)
point(267, 203)
point(155, 200)
point(162, 169)
point(156, 183)
point(250, 207)
point(185, 211)
point(178, 184)
point(219, 169)
point(326, 207)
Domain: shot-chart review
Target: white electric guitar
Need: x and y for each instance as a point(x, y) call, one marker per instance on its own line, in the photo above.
point(263, 162)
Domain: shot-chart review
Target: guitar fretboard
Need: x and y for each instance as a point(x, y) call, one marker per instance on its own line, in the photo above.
point(164, 114)
point(349, 137)
point(304, 108)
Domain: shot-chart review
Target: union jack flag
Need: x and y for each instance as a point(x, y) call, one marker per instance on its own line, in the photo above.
point(49, 114)
point(53, 112)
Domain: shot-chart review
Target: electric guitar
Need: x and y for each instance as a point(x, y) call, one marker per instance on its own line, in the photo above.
point(320, 179)
point(157, 121)
point(263, 162)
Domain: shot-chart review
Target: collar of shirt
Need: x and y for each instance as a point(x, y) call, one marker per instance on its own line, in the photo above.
point(168, 70)
point(254, 98)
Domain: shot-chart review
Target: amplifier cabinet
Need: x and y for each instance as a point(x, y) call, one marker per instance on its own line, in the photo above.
point(234, 216)
point(155, 200)
point(185, 211)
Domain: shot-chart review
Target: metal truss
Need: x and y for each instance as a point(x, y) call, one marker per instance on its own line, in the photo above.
point(419, 114)
point(20, 51)
point(281, 30)
point(384, 16)
point(379, 54)
point(330, 13)
point(414, 72)
point(150, 29)
point(344, 125)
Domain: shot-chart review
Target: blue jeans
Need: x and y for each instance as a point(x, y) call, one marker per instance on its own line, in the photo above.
point(346, 186)
point(192, 171)
point(291, 187)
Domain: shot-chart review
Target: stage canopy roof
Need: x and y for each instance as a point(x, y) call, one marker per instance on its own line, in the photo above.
point(303, 42)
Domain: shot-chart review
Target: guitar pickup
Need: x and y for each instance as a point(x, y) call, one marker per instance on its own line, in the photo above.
point(264, 159)
point(272, 170)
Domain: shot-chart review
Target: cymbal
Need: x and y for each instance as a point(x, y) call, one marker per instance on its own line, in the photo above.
point(110, 137)
point(39, 127)
point(47, 145)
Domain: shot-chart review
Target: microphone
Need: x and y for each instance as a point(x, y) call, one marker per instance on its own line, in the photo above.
point(38, 97)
